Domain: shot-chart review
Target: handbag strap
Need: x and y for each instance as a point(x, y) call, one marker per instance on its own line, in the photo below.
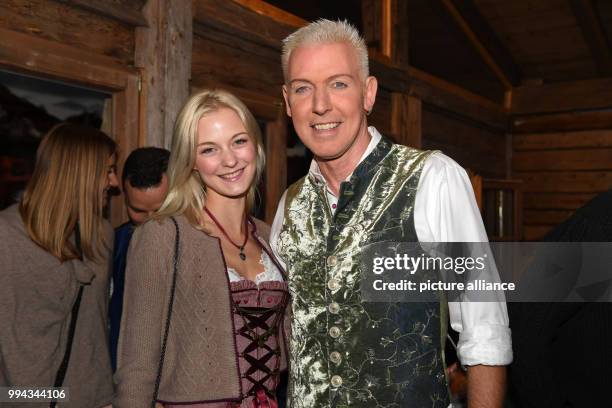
point(170, 305)
point(61, 371)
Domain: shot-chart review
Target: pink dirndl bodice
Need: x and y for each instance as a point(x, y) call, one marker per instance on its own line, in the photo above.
point(258, 312)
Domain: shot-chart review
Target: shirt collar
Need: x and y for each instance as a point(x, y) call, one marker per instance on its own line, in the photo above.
point(375, 137)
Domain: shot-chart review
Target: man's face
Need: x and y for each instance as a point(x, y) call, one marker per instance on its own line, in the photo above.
point(143, 202)
point(327, 98)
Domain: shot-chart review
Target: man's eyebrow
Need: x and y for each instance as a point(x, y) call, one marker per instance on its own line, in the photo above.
point(331, 78)
point(299, 80)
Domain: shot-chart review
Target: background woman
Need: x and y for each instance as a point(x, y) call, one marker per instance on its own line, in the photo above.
point(225, 344)
point(42, 269)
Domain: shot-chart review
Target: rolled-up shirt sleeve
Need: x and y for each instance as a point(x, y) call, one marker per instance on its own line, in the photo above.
point(446, 211)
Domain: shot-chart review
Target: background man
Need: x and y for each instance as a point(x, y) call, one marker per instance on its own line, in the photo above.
point(145, 186)
point(362, 189)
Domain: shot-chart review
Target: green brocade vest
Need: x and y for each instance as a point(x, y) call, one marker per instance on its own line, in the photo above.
point(345, 352)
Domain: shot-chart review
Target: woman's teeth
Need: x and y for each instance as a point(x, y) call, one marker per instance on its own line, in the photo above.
point(231, 176)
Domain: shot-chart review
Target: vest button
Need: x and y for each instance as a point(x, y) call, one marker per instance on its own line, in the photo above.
point(333, 284)
point(336, 381)
point(332, 260)
point(335, 357)
point(334, 332)
point(333, 308)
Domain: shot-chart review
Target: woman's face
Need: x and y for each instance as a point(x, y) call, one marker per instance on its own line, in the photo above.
point(111, 180)
point(226, 155)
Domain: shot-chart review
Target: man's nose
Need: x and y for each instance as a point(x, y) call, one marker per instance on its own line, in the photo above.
point(321, 103)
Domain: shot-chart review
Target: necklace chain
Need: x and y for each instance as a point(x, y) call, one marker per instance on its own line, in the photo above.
point(246, 233)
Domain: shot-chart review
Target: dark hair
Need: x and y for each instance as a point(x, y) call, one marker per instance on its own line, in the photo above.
point(145, 166)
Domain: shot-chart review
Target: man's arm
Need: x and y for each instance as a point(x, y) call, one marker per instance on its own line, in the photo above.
point(446, 211)
point(486, 386)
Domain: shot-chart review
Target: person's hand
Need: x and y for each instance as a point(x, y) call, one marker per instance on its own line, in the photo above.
point(457, 381)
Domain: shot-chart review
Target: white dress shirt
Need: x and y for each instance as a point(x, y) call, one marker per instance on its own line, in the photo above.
point(445, 211)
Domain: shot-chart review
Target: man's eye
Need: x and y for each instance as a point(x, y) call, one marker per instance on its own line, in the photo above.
point(339, 85)
point(300, 89)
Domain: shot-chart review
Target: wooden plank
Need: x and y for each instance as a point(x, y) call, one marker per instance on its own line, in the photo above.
point(485, 41)
point(487, 166)
point(563, 140)
point(406, 118)
point(272, 12)
point(381, 114)
point(26, 53)
point(448, 130)
point(563, 122)
point(164, 50)
point(70, 26)
point(447, 96)
point(400, 53)
point(276, 166)
point(579, 159)
point(245, 21)
point(546, 217)
point(560, 201)
point(594, 34)
point(536, 232)
point(589, 94)
point(225, 64)
point(262, 106)
point(565, 181)
point(123, 13)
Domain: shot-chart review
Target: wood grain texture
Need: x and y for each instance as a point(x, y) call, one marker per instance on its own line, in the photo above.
point(575, 159)
point(565, 181)
point(567, 96)
point(71, 26)
point(164, 52)
point(563, 140)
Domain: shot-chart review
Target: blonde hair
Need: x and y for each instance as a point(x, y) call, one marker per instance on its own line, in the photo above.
point(326, 31)
point(68, 186)
point(186, 191)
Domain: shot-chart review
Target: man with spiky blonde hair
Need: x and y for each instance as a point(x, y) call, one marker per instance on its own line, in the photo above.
point(361, 190)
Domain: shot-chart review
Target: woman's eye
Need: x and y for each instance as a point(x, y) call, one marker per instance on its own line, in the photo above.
point(241, 141)
point(207, 150)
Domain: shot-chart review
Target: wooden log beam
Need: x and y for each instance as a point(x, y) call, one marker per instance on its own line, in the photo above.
point(276, 166)
point(252, 21)
point(163, 51)
point(589, 94)
point(563, 140)
point(560, 122)
point(406, 120)
point(125, 14)
point(565, 181)
point(485, 41)
point(593, 32)
point(385, 29)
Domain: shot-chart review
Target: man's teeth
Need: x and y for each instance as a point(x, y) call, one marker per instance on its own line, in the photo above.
point(326, 126)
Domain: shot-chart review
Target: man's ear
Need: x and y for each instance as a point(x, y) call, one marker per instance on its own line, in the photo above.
point(286, 97)
point(369, 97)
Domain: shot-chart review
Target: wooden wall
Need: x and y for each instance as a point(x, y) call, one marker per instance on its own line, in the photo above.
point(562, 152)
point(67, 24)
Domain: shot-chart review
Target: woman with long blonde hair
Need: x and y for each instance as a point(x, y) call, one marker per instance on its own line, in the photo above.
point(55, 262)
point(203, 320)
